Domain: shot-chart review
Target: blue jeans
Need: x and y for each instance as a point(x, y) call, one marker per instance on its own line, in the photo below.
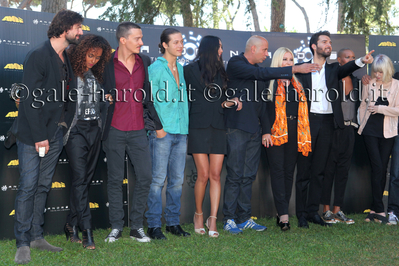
point(168, 160)
point(36, 175)
point(243, 155)
point(393, 198)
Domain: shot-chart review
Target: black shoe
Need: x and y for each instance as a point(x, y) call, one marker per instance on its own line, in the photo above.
point(316, 219)
point(176, 230)
point(302, 222)
point(88, 240)
point(156, 233)
point(284, 226)
point(71, 232)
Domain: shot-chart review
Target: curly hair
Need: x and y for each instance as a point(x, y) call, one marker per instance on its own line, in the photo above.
point(62, 22)
point(77, 55)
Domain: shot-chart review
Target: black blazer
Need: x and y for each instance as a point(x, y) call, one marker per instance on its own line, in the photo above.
point(40, 113)
point(249, 81)
point(151, 119)
point(333, 73)
point(204, 111)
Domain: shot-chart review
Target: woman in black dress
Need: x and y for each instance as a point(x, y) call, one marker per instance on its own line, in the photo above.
point(85, 115)
point(206, 80)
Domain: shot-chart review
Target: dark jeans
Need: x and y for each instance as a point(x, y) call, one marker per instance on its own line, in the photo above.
point(393, 198)
point(83, 149)
point(135, 144)
point(36, 175)
point(282, 160)
point(310, 175)
point(243, 155)
point(338, 165)
point(378, 150)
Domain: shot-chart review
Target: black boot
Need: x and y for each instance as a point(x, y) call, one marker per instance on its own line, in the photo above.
point(88, 240)
point(72, 232)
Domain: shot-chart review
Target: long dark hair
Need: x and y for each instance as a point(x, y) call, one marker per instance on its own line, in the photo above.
point(77, 55)
point(210, 62)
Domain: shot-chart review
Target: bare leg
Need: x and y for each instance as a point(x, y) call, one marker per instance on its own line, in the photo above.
point(216, 163)
point(202, 164)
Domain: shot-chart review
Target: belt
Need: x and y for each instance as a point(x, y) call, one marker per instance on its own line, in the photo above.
point(292, 117)
point(350, 123)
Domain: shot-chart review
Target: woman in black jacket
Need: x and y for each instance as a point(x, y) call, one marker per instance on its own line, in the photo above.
point(206, 81)
point(85, 116)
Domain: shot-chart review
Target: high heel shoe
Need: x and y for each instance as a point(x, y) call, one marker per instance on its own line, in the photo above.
point(211, 233)
point(200, 231)
point(72, 233)
point(88, 240)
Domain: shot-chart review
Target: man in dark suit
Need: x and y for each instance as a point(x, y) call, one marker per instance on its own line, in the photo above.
point(325, 113)
point(47, 73)
point(248, 128)
point(126, 78)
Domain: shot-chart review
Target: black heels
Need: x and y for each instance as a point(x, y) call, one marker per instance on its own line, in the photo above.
point(88, 240)
point(71, 232)
point(284, 226)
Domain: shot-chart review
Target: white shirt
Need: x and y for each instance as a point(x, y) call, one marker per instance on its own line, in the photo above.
point(320, 103)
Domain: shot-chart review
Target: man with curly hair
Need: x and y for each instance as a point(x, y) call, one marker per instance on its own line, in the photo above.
point(47, 73)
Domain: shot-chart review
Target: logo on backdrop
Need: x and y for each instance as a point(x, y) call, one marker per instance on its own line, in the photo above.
point(12, 114)
point(388, 43)
point(85, 28)
point(125, 182)
point(304, 54)
point(58, 185)
point(191, 44)
point(191, 179)
point(63, 161)
point(13, 163)
point(5, 188)
point(94, 205)
point(2, 138)
point(57, 209)
point(12, 213)
point(107, 30)
point(13, 19)
point(41, 22)
point(14, 66)
point(12, 42)
point(96, 182)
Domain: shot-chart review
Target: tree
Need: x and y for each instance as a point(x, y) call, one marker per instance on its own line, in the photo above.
point(89, 4)
point(365, 16)
point(305, 15)
point(138, 11)
point(278, 16)
point(252, 7)
point(53, 6)
point(187, 13)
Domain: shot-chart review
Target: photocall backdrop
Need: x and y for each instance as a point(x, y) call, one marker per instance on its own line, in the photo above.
point(22, 30)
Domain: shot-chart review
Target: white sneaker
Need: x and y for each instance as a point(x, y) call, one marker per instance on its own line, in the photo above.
point(392, 218)
point(113, 236)
point(139, 235)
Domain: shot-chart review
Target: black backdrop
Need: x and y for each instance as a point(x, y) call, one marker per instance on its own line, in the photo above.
point(22, 30)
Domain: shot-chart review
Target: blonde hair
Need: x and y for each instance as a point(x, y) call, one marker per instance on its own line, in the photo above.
point(277, 61)
point(383, 63)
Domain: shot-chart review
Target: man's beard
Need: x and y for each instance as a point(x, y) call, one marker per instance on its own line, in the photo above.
point(72, 40)
point(322, 53)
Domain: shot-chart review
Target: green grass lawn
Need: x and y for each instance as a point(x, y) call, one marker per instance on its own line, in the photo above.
point(358, 244)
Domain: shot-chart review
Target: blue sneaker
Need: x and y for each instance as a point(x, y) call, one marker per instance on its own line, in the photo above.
point(231, 226)
point(251, 224)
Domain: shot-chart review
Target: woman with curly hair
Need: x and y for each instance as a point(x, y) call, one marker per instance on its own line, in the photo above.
point(85, 115)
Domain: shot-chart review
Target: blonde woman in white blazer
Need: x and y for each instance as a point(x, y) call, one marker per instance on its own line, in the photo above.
point(378, 117)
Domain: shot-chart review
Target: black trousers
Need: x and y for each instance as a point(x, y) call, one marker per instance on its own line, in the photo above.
point(337, 168)
point(379, 150)
point(310, 169)
point(83, 149)
point(282, 160)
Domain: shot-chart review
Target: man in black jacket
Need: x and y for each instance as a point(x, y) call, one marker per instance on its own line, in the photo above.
point(47, 73)
point(248, 127)
point(126, 78)
point(325, 113)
